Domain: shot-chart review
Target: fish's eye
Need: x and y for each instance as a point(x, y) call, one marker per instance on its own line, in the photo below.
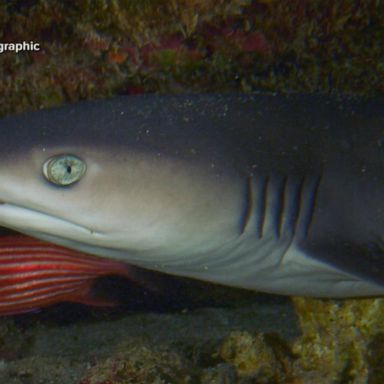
point(64, 169)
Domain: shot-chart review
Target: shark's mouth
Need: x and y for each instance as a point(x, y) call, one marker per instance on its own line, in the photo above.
point(18, 219)
point(28, 220)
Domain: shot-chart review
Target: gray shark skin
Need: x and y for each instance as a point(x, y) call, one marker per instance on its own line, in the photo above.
point(282, 194)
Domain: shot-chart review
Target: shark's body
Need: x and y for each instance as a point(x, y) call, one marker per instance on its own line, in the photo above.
point(281, 194)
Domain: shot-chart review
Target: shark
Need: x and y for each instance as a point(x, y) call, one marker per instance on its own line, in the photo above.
point(270, 192)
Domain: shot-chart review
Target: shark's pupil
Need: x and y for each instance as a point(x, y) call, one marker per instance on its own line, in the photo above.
point(69, 169)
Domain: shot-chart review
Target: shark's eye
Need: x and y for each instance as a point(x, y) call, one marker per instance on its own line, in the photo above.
point(64, 169)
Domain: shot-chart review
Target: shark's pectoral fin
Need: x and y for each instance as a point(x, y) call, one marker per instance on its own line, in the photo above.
point(364, 261)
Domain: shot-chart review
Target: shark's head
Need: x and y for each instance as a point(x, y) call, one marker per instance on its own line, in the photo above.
point(103, 186)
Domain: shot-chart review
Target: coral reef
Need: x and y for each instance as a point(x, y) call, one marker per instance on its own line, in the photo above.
point(262, 358)
point(97, 48)
point(342, 340)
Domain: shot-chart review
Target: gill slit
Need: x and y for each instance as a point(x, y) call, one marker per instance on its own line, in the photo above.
point(262, 208)
point(311, 205)
point(281, 206)
point(248, 205)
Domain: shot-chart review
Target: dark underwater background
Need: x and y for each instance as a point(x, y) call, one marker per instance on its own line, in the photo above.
point(187, 331)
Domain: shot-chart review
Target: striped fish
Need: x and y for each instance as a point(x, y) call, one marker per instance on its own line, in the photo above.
point(36, 274)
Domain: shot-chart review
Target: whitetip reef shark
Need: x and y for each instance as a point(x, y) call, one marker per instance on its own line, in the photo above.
point(276, 193)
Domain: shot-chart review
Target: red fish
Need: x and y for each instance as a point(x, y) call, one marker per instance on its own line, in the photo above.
point(35, 274)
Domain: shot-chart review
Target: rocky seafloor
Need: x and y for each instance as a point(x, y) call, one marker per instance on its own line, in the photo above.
point(202, 345)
